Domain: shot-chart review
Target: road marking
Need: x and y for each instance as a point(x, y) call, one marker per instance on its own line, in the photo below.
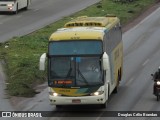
point(36, 10)
point(18, 16)
point(98, 118)
point(145, 62)
point(129, 81)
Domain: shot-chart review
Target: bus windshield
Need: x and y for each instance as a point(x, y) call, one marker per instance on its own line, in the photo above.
point(75, 71)
point(83, 47)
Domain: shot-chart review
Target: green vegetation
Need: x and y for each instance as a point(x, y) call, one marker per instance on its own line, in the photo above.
point(21, 54)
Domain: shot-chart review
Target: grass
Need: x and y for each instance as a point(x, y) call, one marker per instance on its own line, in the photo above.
point(21, 54)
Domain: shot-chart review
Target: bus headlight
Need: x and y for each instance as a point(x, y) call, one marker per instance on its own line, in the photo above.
point(54, 94)
point(158, 82)
point(9, 5)
point(97, 93)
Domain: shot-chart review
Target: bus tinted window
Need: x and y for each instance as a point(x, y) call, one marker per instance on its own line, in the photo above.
point(75, 47)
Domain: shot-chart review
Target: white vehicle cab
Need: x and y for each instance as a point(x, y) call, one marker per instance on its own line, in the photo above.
point(13, 5)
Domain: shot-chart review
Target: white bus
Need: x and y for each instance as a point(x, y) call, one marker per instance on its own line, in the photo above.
point(85, 61)
point(13, 5)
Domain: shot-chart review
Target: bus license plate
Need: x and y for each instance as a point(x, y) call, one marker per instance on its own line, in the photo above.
point(76, 101)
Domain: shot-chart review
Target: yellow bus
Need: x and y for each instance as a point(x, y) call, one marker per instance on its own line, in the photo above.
point(85, 61)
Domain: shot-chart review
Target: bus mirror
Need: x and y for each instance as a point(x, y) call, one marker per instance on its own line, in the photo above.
point(105, 61)
point(42, 62)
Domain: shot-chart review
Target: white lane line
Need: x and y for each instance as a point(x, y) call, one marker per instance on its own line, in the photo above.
point(145, 62)
point(129, 81)
point(100, 116)
point(18, 16)
point(36, 10)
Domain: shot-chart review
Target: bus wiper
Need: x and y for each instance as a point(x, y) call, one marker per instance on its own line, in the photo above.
point(83, 77)
point(68, 75)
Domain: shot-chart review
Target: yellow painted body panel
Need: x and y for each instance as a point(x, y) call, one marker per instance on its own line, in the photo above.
point(117, 55)
point(88, 21)
point(67, 91)
point(77, 35)
point(90, 28)
point(85, 28)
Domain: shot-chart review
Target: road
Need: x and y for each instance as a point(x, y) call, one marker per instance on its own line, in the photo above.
point(40, 14)
point(141, 58)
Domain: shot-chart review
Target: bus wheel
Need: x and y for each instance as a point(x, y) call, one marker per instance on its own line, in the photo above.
point(116, 88)
point(58, 106)
point(158, 97)
point(104, 105)
point(16, 12)
point(26, 8)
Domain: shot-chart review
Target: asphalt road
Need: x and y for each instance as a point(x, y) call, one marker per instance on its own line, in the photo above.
point(40, 14)
point(141, 58)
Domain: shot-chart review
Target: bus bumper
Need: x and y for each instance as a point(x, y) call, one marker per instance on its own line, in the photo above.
point(5, 8)
point(61, 100)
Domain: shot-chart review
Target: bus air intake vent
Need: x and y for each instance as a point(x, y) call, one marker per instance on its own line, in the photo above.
point(87, 22)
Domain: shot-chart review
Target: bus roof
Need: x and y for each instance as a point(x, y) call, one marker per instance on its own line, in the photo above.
point(77, 33)
point(84, 27)
point(91, 21)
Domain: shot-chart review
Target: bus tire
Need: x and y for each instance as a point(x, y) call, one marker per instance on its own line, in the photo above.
point(16, 12)
point(26, 8)
point(108, 91)
point(120, 74)
point(158, 97)
point(116, 88)
point(58, 106)
point(104, 105)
